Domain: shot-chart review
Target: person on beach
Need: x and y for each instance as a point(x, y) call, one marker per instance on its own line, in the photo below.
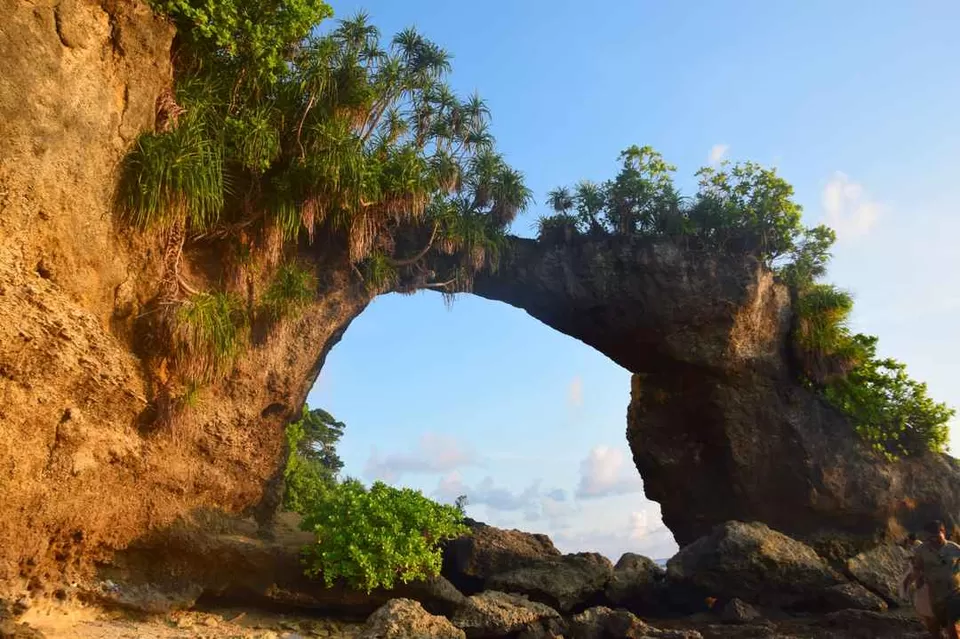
point(936, 566)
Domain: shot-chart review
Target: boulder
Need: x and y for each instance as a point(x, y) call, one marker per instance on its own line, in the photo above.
point(880, 569)
point(635, 584)
point(852, 596)
point(601, 622)
point(497, 614)
point(739, 611)
point(754, 563)
point(566, 583)
point(472, 559)
point(405, 619)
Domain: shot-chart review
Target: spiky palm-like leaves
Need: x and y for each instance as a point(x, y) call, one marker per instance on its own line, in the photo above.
point(207, 334)
point(173, 176)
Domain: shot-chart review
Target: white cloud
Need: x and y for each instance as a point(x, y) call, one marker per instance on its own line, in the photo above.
point(434, 454)
point(717, 153)
point(575, 392)
point(846, 208)
point(533, 503)
point(639, 535)
point(604, 473)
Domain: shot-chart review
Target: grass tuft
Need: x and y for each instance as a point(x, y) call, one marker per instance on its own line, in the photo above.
point(207, 335)
point(291, 290)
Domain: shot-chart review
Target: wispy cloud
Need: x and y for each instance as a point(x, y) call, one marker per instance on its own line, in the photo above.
point(575, 392)
point(642, 533)
point(846, 207)
point(717, 153)
point(604, 473)
point(533, 503)
point(434, 454)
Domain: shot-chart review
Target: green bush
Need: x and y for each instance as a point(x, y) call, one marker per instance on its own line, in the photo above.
point(373, 537)
point(892, 412)
point(252, 34)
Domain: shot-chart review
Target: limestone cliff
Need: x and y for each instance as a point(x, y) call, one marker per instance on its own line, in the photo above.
point(83, 470)
point(718, 425)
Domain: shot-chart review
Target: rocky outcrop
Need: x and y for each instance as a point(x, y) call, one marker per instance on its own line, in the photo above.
point(404, 618)
point(603, 623)
point(719, 426)
point(224, 558)
point(636, 584)
point(881, 569)
point(86, 466)
point(566, 583)
point(469, 561)
point(498, 614)
point(754, 563)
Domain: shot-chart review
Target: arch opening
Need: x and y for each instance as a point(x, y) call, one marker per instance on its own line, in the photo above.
point(480, 399)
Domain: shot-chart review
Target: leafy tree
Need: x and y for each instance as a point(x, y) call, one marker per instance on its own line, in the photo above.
point(321, 433)
point(371, 538)
point(251, 35)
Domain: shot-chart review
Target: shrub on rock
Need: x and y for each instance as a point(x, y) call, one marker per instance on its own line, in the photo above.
point(371, 538)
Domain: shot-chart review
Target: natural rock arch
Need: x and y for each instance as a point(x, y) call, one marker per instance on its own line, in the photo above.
point(718, 425)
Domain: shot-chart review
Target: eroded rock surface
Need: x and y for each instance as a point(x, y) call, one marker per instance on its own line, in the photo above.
point(565, 583)
point(403, 619)
point(754, 563)
point(498, 614)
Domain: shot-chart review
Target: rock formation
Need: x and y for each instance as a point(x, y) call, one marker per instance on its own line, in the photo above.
point(93, 458)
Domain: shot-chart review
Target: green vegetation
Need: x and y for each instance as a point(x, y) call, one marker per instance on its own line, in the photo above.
point(174, 176)
point(292, 288)
point(254, 35)
point(740, 207)
point(207, 334)
point(368, 537)
point(312, 461)
point(746, 208)
point(373, 537)
point(279, 132)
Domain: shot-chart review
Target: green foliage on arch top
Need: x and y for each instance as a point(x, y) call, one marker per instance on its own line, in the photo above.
point(747, 208)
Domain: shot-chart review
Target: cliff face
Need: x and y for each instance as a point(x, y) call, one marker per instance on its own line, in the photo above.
point(82, 470)
point(718, 427)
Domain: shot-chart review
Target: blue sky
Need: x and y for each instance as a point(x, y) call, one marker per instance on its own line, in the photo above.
point(855, 102)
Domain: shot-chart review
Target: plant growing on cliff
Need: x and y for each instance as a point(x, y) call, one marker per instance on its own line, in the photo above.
point(276, 132)
point(207, 334)
point(373, 537)
point(291, 289)
point(254, 35)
